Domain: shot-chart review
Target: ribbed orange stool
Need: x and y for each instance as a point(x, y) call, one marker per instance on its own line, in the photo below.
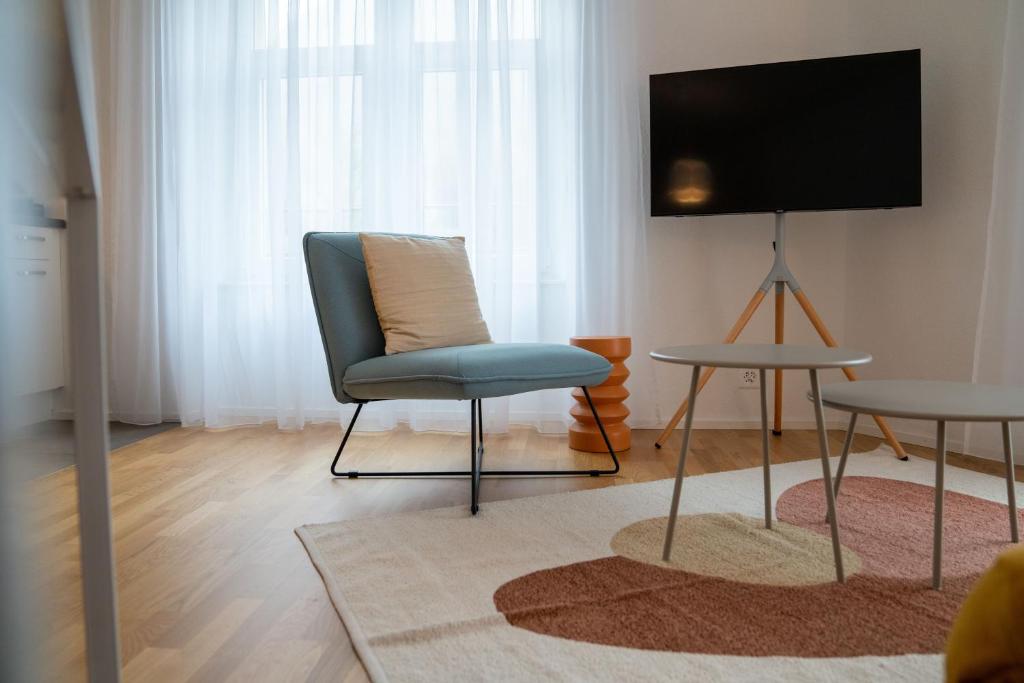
point(608, 398)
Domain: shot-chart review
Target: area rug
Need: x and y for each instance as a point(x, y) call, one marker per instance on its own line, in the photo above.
point(572, 587)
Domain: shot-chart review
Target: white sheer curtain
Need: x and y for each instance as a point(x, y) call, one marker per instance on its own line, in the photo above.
point(237, 126)
point(999, 348)
point(136, 214)
point(612, 273)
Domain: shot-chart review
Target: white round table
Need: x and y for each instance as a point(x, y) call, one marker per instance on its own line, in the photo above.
point(942, 402)
point(761, 357)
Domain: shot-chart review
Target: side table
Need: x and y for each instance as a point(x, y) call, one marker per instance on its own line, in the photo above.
point(608, 397)
point(941, 402)
point(761, 357)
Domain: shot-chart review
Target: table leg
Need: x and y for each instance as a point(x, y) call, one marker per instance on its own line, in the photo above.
point(1011, 494)
point(846, 451)
point(766, 452)
point(940, 487)
point(819, 415)
point(687, 431)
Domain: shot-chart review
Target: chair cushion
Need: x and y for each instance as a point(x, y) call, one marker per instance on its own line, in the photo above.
point(477, 371)
point(423, 291)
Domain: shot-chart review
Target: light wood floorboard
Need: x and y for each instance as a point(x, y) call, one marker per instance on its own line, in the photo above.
point(215, 586)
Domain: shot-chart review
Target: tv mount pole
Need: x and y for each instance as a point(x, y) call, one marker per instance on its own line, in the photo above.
point(781, 277)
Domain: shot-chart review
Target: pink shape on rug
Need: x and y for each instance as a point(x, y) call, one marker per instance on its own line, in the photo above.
point(889, 524)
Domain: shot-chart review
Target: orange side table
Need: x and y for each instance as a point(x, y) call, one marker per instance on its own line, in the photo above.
point(608, 398)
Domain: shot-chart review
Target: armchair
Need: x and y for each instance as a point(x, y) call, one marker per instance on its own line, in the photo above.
point(361, 373)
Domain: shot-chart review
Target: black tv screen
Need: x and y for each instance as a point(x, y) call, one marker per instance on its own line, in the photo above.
point(812, 135)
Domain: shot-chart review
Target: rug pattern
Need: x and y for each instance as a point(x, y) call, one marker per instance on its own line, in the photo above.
point(416, 591)
point(887, 606)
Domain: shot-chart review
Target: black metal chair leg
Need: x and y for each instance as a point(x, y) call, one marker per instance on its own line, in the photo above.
point(355, 474)
point(604, 435)
point(337, 456)
point(476, 470)
point(475, 455)
point(480, 421)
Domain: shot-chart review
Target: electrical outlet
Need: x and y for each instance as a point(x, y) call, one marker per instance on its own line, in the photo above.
point(749, 380)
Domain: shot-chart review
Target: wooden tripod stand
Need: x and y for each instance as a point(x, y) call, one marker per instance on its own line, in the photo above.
point(781, 277)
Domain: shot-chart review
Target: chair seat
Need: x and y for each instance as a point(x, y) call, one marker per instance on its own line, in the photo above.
point(471, 372)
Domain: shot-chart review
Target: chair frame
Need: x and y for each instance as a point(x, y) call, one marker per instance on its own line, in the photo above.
point(476, 456)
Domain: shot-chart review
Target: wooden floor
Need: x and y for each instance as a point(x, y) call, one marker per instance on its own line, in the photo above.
point(215, 586)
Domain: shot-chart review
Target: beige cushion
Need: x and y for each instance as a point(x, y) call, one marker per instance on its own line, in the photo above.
point(423, 291)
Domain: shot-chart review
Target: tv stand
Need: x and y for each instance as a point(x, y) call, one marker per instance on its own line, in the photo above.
point(780, 277)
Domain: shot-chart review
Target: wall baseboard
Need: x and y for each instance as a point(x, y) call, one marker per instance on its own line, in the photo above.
point(723, 423)
point(868, 427)
point(918, 438)
point(926, 439)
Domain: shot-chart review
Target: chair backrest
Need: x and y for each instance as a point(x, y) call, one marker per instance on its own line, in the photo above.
point(343, 303)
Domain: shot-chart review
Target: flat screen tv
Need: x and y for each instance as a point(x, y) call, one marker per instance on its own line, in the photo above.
point(812, 135)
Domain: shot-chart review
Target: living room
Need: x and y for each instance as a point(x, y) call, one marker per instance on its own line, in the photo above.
point(512, 339)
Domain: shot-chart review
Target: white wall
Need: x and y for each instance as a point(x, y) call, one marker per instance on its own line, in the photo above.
point(35, 103)
point(902, 284)
point(914, 277)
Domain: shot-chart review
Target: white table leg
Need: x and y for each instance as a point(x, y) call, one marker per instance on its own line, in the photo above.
point(940, 487)
point(767, 454)
point(1011, 494)
point(687, 430)
point(819, 414)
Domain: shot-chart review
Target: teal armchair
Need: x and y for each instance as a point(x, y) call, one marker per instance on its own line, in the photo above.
point(361, 373)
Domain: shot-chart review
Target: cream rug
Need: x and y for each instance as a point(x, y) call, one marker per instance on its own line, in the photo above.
point(571, 586)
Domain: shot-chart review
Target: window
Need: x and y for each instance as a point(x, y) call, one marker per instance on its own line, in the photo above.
point(316, 118)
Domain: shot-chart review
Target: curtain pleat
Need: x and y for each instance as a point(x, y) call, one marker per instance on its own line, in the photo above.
point(999, 346)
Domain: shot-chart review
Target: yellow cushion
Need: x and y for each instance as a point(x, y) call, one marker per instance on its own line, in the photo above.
point(987, 639)
point(423, 291)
